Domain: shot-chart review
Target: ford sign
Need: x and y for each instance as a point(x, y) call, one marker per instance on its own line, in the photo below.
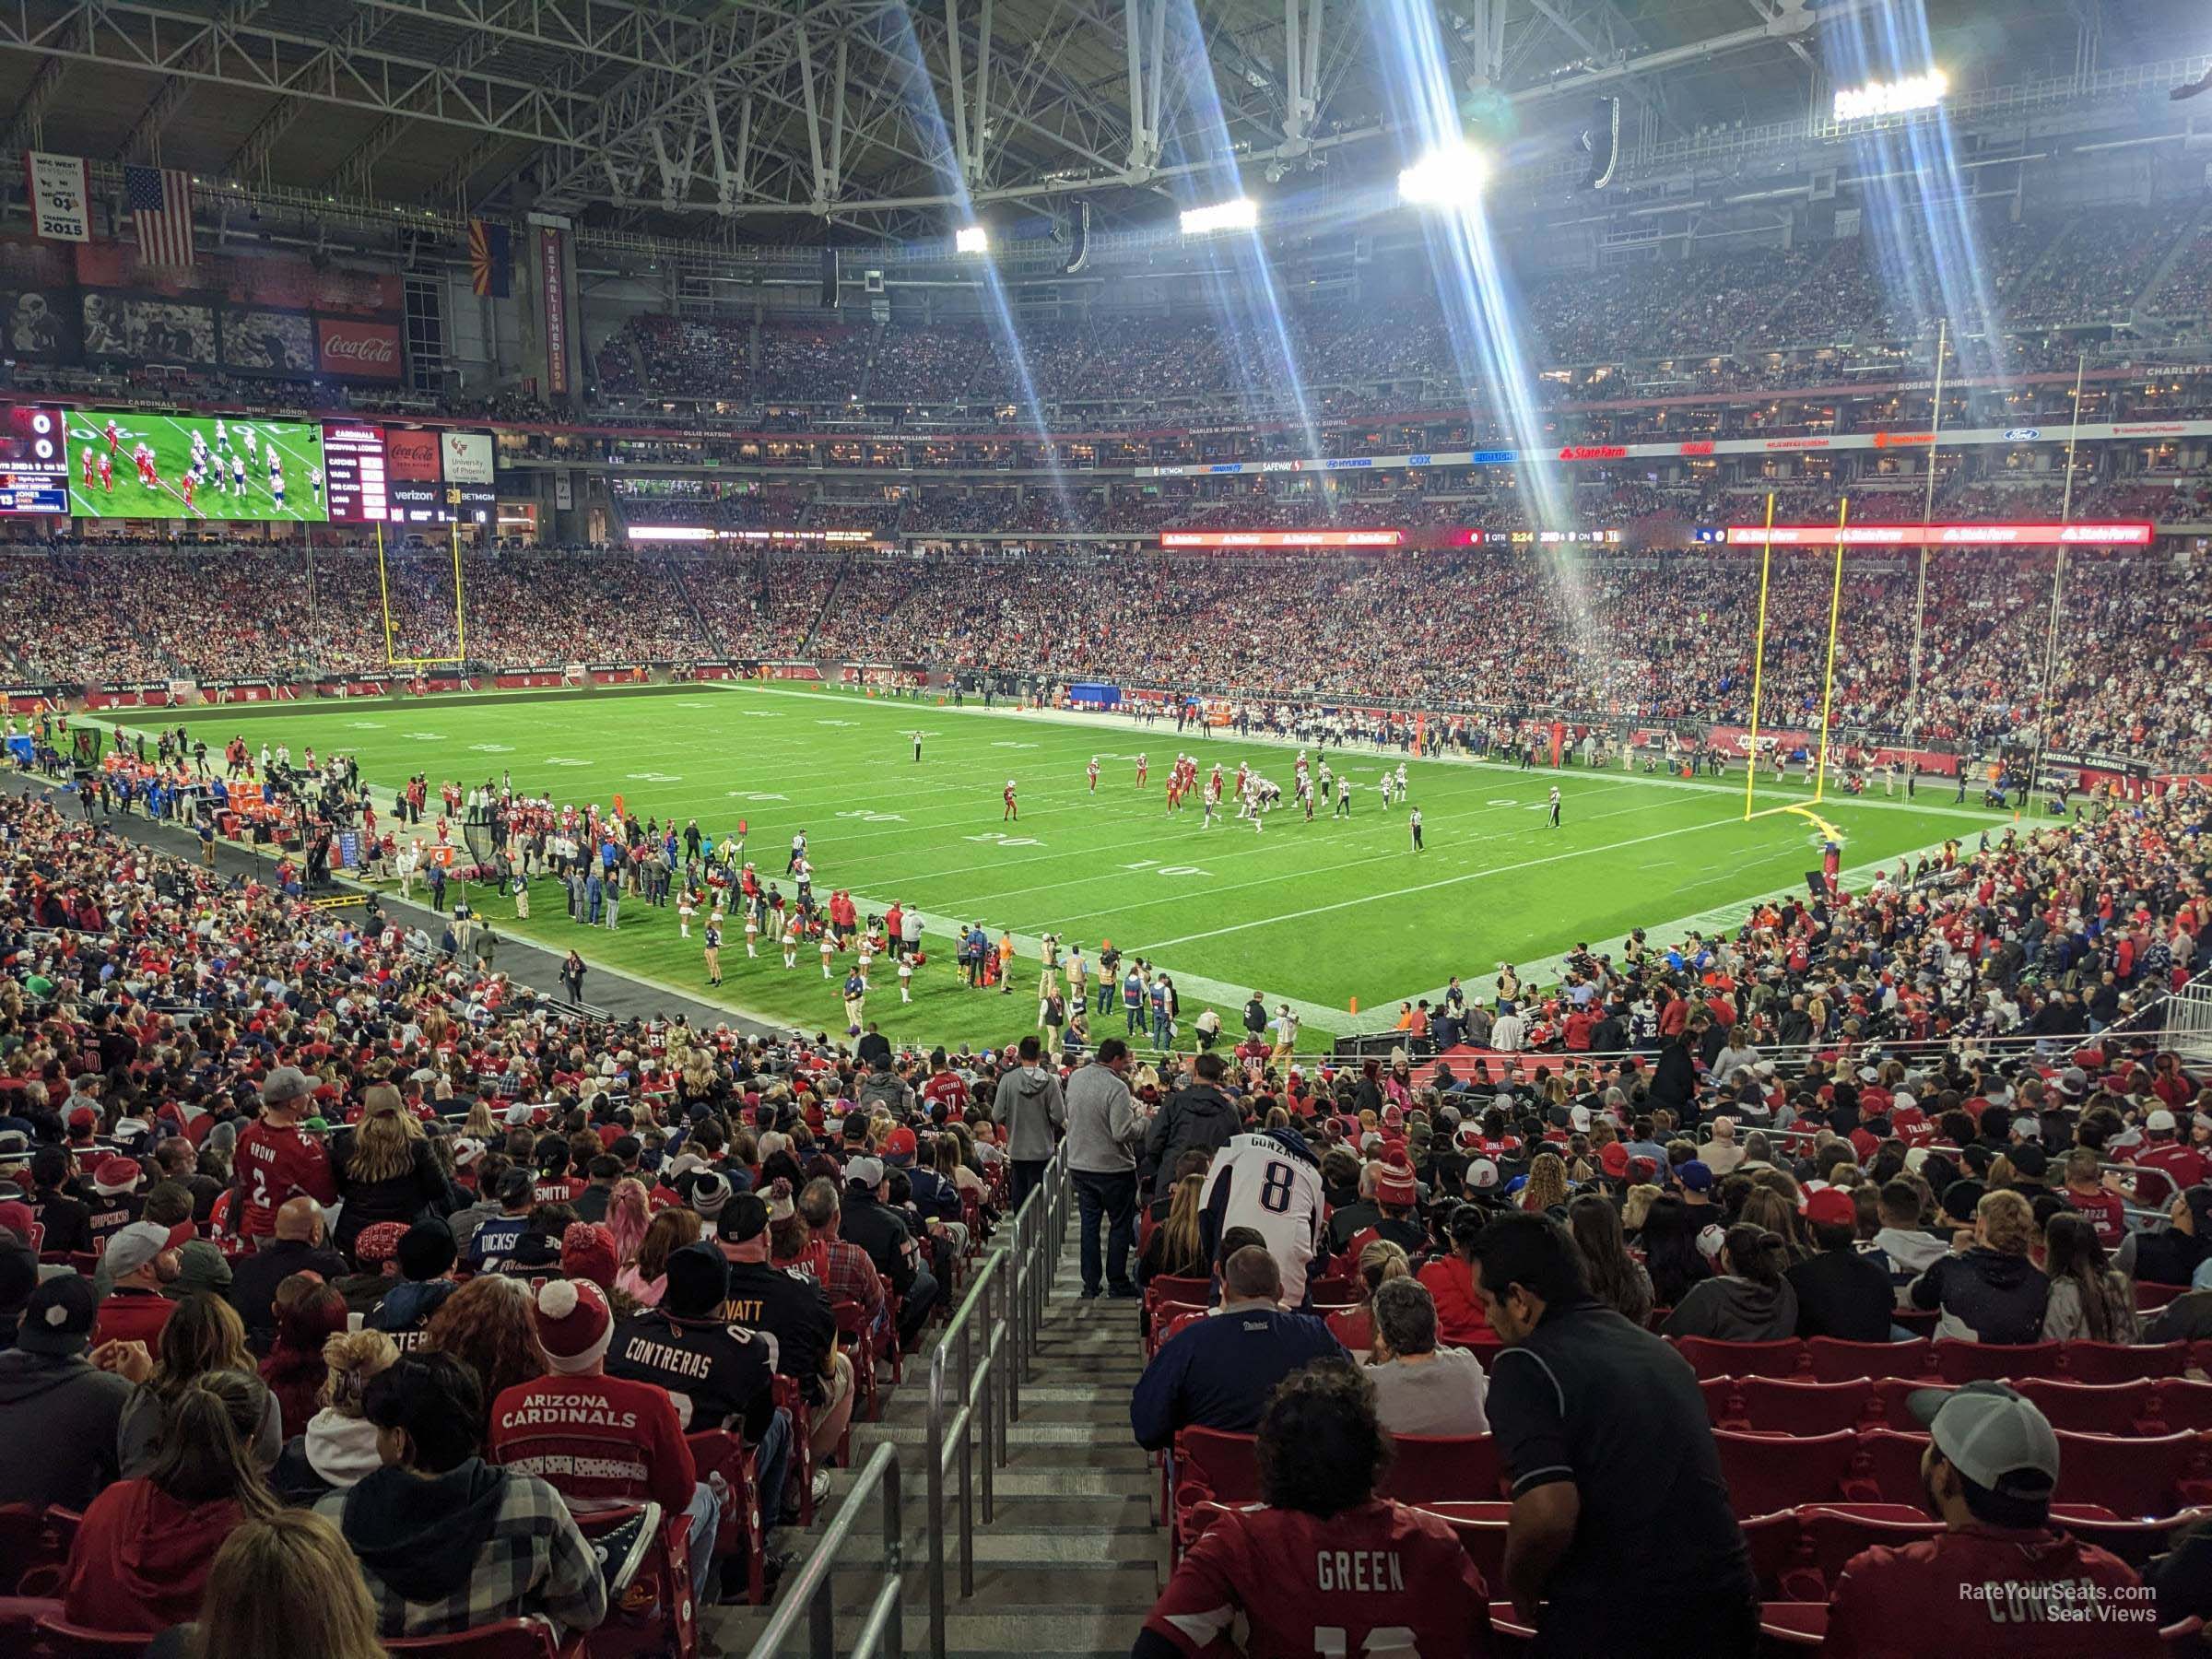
point(2022, 434)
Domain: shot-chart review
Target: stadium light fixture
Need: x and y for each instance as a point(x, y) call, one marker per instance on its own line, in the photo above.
point(1451, 175)
point(1891, 97)
point(1243, 214)
point(972, 239)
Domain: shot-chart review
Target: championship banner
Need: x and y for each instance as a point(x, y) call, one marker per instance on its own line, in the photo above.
point(61, 197)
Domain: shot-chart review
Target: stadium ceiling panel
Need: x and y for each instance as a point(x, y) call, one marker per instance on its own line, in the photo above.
point(785, 119)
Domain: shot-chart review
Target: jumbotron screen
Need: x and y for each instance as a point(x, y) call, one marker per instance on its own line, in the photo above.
point(127, 464)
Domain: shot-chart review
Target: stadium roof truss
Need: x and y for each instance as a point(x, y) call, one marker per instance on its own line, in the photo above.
point(770, 120)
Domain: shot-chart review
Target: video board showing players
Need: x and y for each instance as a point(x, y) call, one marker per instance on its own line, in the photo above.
point(127, 464)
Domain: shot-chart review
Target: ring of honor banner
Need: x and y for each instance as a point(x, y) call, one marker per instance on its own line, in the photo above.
point(550, 265)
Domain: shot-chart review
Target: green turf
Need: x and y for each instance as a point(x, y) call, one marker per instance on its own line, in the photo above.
point(1323, 913)
point(299, 442)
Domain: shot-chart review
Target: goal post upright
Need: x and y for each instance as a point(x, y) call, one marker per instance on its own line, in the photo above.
point(384, 587)
point(1759, 658)
point(1827, 680)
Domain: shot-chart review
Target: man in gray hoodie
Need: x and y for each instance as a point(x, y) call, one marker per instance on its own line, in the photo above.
point(1903, 1247)
point(1029, 1108)
point(1102, 1134)
point(63, 1414)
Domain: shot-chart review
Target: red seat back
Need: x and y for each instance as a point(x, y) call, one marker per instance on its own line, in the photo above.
point(1772, 1406)
point(654, 1614)
point(1833, 1537)
point(1481, 1529)
point(1775, 1542)
point(66, 1641)
point(2119, 1362)
point(1721, 1408)
point(1170, 1289)
point(509, 1639)
point(1443, 1469)
point(1889, 1465)
point(2184, 1404)
point(2094, 1407)
point(1211, 1463)
point(1766, 1473)
point(2138, 1478)
point(1888, 1408)
point(2135, 1542)
point(31, 1548)
point(1957, 1361)
point(1835, 1360)
point(1709, 1357)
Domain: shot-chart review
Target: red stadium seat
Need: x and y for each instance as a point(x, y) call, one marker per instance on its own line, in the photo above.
point(1212, 1464)
point(1712, 1359)
point(2095, 1407)
point(1443, 1469)
point(2140, 1476)
point(2149, 1298)
point(1889, 1467)
point(1481, 1529)
point(802, 1443)
point(1194, 1292)
point(1777, 1546)
point(1921, 1322)
point(19, 1616)
point(2135, 1542)
point(1167, 1316)
point(1771, 1472)
point(2119, 1362)
point(509, 1639)
point(717, 1452)
point(1721, 1408)
point(653, 1614)
point(33, 1551)
point(2184, 1404)
point(1889, 1410)
point(1833, 1535)
point(1773, 1406)
point(1957, 1361)
point(1793, 1625)
point(1835, 1360)
point(66, 1641)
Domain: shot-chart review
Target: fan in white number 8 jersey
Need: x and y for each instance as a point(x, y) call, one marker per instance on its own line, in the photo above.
point(1269, 1183)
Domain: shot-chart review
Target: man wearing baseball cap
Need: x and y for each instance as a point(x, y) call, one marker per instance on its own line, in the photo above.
point(2164, 1152)
point(63, 1413)
point(1840, 1291)
point(1999, 1573)
point(276, 1160)
point(790, 1308)
point(136, 1310)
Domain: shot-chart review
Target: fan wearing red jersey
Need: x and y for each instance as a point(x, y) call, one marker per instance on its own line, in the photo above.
point(1999, 1576)
point(275, 1159)
point(1326, 1568)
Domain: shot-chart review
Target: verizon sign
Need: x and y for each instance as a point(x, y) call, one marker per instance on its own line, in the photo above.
point(346, 349)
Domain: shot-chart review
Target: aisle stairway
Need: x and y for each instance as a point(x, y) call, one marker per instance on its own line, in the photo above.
point(1070, 1562)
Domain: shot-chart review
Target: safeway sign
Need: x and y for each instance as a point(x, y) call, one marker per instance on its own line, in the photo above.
point(349, 349)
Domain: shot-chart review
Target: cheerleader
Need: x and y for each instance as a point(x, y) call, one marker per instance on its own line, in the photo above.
point(752, 932)
point(906, 979)
point(867, 953)
point(713, 949)
point(685, 908)
point(828, 950)
point(791, 941)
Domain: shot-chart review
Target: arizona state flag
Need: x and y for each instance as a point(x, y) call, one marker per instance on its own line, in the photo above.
point(491, 259)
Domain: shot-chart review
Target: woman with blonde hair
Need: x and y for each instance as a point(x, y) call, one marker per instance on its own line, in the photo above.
point(1988, 1286)
point(487, 1327)
point(1547, 1184)
point(1636, 1203)
point(339, 1444)
point(644, 1272)
point(1175, 1249)
point(1767, 1209)
point(385, 1172)
point(479, 1125)
point(1380, 1261)
point(281, 1586)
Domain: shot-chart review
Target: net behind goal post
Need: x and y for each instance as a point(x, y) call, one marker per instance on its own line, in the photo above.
point(415, 589)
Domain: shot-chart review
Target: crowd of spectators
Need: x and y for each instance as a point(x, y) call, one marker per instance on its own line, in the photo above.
point(235, 1118)
point(1618, 635)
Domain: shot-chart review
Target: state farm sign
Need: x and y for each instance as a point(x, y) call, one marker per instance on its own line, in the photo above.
point(345, 349)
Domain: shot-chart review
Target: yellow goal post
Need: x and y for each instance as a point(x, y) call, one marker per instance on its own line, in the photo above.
point(384, 587)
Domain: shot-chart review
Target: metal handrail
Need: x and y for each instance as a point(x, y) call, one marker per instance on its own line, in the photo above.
point(883, 1630)
point(1009, 1290)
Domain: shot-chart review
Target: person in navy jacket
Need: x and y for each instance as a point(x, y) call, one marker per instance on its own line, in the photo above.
point(1218, 1372)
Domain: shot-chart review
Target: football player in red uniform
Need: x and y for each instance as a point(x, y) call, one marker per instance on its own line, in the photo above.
point(1012, 812)
point(1326, 1568)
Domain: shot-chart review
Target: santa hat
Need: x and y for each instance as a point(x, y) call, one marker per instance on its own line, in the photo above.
point(114, 1175)
point(574, 1325)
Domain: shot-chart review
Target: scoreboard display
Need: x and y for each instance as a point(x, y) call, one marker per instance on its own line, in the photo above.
point(34, 461)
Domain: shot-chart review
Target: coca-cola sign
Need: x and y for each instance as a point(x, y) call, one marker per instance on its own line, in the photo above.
point(350, 350)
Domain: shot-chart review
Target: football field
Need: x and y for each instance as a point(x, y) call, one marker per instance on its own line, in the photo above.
point(1331, 915)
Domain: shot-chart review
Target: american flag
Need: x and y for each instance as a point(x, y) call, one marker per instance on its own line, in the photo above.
point(160, 199)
